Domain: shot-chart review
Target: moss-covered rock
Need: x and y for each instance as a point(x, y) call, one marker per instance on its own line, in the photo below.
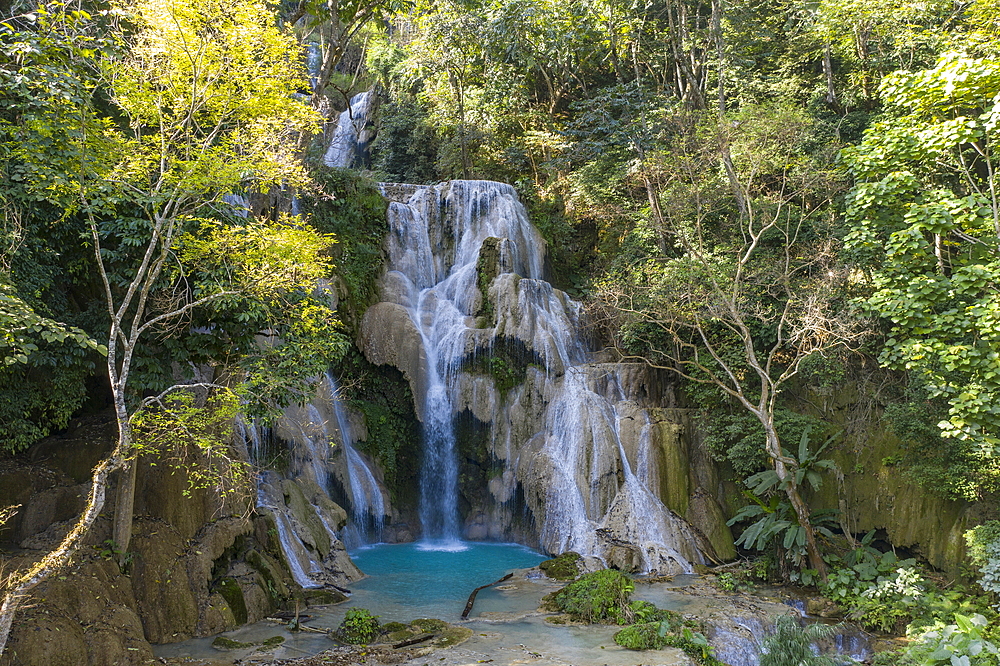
point(230, 590)
point(563, 567)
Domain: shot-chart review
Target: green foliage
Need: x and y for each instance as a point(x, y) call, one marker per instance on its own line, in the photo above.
point(885, 593)
point(601, 596)
point(563, 567)
point(984, 551)
point(730, 581)
point(775, 524)
point(171, 429)
point(359, 627)
point(923, 221)
point(953, 468)
point(351, 208)
point(963, 643)
point(791, 644)
point(406, 147)
point(667, 632)
point(383, 395)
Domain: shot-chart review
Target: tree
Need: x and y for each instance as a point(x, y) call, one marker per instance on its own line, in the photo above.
point(747, 292)
point(924, 220)
point(334, 23)
point(198, 100)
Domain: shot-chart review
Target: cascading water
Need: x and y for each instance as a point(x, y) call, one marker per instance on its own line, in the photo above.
point(434, 245)
point(367, 504)
point(351, 137)
point(567, 414)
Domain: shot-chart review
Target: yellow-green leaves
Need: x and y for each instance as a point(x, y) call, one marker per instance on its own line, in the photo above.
point(193, 435)
point(260, 258)
point(207, 89)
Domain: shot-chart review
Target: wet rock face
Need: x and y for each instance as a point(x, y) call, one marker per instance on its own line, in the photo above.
point(185, 552)
point(565, 454)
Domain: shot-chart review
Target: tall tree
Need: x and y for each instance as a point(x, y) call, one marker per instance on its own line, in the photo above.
point(746, 292)
point(201, 104)
point(924, 217)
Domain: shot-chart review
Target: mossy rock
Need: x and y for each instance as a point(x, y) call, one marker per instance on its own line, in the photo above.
point(390, 627)
point(430, 625)
point(273, 641)
point(563, 567)
point(223, 643)
point(452, 636)
point(323, 597)
point(230, 590)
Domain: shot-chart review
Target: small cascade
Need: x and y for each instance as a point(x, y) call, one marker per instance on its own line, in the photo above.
point(368, 508)
point(349, 145)
point(269, 497)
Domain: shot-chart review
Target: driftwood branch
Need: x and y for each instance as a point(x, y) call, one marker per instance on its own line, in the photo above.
point(472, 597)
point(413, 641)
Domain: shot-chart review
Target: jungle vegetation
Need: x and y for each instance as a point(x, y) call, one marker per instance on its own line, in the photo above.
point(754, 194)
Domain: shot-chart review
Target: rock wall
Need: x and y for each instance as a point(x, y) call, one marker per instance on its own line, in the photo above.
point(196, 566)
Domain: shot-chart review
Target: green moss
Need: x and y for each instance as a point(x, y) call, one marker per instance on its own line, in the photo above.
point(563, 567)
point(273, 640)
point(429, 625)
point(322, 597)
point(233, 594)
point(602, 596)
point(390, 627)
point(487, 268)
point(507, 363)
point(223, 643)
point(277, 590)
point(384, 397)
point(351, 207)
point(452, 635)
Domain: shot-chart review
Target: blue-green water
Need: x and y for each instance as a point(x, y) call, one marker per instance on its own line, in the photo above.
point(417, 579)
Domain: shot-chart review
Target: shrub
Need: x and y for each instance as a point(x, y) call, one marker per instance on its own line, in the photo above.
point(602, 596)
point(792, 645)
point(959, 644)
point(658, 635)
point(984, 551)
point(359, 627)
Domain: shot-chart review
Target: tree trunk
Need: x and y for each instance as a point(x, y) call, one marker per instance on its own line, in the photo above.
point(795, 499)
point(121, 532)
point(18, 586)
point(831, 92)
point(124, 505)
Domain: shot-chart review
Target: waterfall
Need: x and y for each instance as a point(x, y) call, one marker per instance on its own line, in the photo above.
point(560, 432)
point(367, 504)
point(434, 245)
point(351, 136)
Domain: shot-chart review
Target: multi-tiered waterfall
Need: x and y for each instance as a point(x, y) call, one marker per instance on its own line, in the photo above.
point(465, 277)
point(577, 450)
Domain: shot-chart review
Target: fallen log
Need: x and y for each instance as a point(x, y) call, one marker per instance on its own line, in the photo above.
point(413, 641)
point(472, 597)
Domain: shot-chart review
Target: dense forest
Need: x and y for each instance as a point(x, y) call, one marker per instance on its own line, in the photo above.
point(755, 195)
